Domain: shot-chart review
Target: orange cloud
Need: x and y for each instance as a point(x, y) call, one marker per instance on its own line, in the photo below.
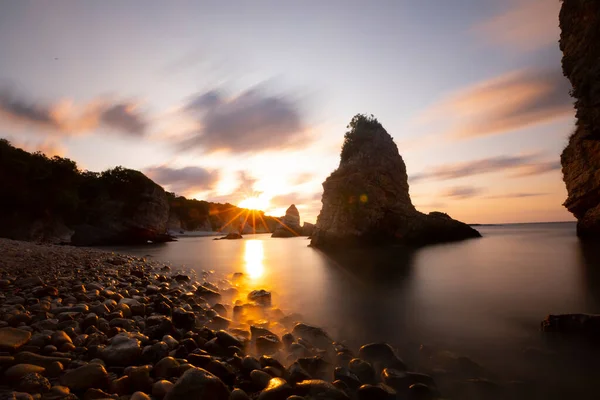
point(504, 104)
point(48, 147)
point(524, 25)
point(64, 118)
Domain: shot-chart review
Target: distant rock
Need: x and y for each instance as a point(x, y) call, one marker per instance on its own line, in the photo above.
point(230, 236)
point(290, 225)
point(366, 200)
point(579, 22)
point(308, 229)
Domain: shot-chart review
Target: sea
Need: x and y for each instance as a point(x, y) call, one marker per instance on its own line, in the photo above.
point(482, 298)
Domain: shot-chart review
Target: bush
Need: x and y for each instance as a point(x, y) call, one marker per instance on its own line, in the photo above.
point(361, 128)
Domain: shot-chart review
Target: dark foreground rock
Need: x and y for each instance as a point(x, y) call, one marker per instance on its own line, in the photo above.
point(581, 324)
point(366, 200)
point(580, 33)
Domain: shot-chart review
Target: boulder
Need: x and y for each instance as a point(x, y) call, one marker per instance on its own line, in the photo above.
point(580, 33)
point(366, 199)
point(290, 224)
point(197, 383)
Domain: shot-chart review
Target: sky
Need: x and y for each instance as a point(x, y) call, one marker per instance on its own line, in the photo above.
point(247, 102)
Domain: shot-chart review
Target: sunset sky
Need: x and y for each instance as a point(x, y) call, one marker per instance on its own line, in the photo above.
point(228, 100)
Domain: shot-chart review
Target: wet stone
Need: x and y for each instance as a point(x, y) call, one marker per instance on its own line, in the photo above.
point(320, 389)
point(33, 383)
point(16, 372)
point(85, 377)
point(197, 383)
point(260, 379)
point(376, 392)
point(11, 339)
point(277, 389)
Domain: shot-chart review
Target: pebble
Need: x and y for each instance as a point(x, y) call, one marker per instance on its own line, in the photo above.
point(85, 377)
point(11, 339)
point(18, 371)
point(198, 383)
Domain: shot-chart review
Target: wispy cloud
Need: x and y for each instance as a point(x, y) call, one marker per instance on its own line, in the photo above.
point(524, 25)
point(518, 166)
point(63, 118)
point(186, 180)
point(251, 121)
point(463, 192)
point(504, 104)
point(515, 195)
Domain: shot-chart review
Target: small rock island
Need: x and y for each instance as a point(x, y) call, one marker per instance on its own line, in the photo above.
point(366, 200)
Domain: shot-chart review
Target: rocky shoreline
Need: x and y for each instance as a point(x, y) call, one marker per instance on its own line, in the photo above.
point(80, 323)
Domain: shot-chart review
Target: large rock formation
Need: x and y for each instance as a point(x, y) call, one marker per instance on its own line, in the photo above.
point(579, 42)
point(132, 209)
point(290, 225)
point(366, 200)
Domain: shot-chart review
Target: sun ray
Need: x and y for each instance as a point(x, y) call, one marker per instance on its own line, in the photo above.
point(286, 227)
point(231, 220)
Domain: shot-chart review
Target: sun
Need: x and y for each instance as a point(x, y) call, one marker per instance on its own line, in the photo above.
point(254, 203)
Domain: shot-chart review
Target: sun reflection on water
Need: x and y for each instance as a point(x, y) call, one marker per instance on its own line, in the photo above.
point(253, 256)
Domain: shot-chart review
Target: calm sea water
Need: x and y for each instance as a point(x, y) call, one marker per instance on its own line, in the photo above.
point(484, 297)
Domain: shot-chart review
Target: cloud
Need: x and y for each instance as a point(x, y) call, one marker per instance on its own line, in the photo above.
point(523, 165)
point(123, 117)
point(63, 118)
point(515, 195)
point(524, 25)
point(250, 121)
point(186, 180)
point(538, 169)
point(504, 104)
point(463, 192)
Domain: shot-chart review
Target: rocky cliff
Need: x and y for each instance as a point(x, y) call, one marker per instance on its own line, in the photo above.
point(580, 44)
point(366, 200)
point(51, 200)
point(290, 225)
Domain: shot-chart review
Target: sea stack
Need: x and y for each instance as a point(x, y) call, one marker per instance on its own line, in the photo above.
point(580, 35)
point(290, 225)
point(366, 200)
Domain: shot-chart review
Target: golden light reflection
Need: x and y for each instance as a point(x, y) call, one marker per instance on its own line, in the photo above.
point(253, 256)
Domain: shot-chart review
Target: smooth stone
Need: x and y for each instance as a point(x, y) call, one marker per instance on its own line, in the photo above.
point(18, 371)
point(226, 339)
point(376, 392)
point(58, 338)
point(238, 394)
point(297, 374)
point(55, 369)
point(122, 351)
point(96, 394)
point(85, 377)
point(419, 391)
point(197, 383)
point(140, 396)
point(363, 370)
point(11, 339)
point(120, 386)
point(320, 389)
point(59, 393)
point(250, 363)
point(261, 297)
point(20, 396)
point(33, 383)
point(260, 378)
point(268, 344)
point(278, 389)
point(26, 357)
point(140, 377)
point(161, 388)
point(316, 336)
point(165, 368)
point(135, 306)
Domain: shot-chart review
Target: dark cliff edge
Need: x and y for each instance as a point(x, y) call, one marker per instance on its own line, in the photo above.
point(366, 200)
point(580, 44)
point(51, 200)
